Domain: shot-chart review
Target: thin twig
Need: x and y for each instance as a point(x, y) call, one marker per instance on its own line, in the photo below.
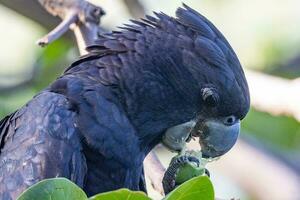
point(82, 15)
point(59, 30)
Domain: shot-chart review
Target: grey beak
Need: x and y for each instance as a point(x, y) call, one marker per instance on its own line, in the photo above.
point(215, 137)
point(175, 137)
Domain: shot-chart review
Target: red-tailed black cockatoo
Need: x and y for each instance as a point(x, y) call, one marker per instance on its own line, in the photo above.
point(96, 123)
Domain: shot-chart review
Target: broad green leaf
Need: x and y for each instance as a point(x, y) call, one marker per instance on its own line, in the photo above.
point(53, 189)
point(198, 188)
point(122, 194)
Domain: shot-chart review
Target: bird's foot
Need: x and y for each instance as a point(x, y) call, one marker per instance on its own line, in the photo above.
point(168, 181)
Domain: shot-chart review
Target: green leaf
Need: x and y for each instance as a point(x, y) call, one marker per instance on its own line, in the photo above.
point(53, 189)
point(198, 188)
point(122, 194)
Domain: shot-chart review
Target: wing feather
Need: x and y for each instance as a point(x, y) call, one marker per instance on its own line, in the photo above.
point(39, 141)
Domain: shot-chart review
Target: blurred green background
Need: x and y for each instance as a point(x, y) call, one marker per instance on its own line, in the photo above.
point(265, 35)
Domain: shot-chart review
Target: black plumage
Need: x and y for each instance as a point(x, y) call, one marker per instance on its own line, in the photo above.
point(96, 123)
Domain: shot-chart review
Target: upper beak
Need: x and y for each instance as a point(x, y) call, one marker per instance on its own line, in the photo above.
point(215, 137)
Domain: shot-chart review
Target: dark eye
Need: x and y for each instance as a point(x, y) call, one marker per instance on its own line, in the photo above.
point(210, 97)
point(230, 120)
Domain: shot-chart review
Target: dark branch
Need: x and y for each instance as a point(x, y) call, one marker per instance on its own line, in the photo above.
point(32, 10)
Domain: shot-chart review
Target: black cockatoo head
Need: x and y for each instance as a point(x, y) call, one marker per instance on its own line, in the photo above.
point(170, 71)
point(217, 76)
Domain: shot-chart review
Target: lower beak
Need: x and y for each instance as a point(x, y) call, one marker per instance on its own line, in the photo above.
point(175, 137)
point(215, 137)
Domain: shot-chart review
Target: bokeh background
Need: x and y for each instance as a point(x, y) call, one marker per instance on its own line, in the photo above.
point(265, 163)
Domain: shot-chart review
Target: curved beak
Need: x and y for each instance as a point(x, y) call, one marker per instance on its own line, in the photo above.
point(215, 137)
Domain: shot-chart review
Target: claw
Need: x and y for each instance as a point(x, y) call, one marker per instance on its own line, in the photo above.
point(182, 160)
point(207, 172)
point(168, 182)
point(194, 159)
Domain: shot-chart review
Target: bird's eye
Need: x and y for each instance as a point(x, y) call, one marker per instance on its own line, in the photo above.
point(210, 97)
point(230, 120)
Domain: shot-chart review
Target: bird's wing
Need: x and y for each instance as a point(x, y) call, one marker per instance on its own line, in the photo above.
point(113, 145)
point(110, 142)
point(39, 141)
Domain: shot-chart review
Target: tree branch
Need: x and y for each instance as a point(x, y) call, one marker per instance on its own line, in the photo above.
point(59, 30)
point(274, 95)
point(155, 171)
point(32, 10)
